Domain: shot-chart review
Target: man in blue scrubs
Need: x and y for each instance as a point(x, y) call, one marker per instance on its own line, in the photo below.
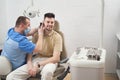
point(17, 48)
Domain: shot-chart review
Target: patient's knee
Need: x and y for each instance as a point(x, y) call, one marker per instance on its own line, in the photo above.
point(48, 71)
point(47, 76)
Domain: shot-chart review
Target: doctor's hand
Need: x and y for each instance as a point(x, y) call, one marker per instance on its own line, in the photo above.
point(41, 30)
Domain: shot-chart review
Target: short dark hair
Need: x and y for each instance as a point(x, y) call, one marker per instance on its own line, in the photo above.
point(21, 19)
point(49, 15)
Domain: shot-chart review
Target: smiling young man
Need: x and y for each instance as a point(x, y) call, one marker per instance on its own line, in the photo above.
point(52, 47)
point(48, 56)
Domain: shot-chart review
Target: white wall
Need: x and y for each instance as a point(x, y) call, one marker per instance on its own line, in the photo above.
point(3, 21)
point(111, 27)
point(79, 21)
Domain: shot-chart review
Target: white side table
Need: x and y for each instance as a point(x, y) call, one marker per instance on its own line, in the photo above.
point(84, 69)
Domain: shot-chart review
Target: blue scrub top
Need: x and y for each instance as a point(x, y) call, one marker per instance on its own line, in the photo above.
point(16, 47)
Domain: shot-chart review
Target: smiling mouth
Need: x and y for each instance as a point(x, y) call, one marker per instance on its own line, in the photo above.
point(48, 29)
